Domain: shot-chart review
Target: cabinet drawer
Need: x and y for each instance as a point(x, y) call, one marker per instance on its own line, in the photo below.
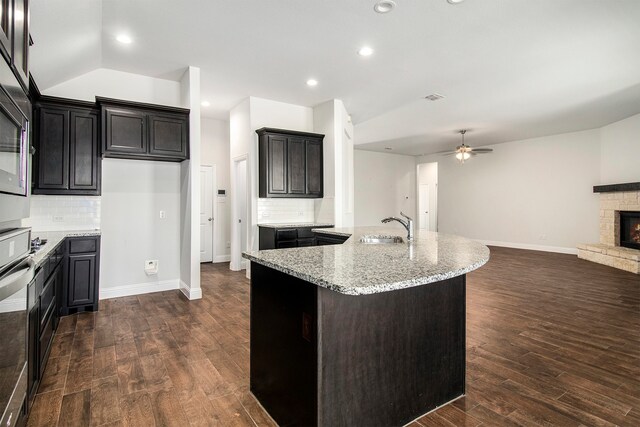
point(306, 242)
point(282, 244)
point(47, 299)
point(287, 234)
point(79, 246)
point(305, 233)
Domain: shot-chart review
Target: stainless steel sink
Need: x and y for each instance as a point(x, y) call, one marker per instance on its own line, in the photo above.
point(380, 239)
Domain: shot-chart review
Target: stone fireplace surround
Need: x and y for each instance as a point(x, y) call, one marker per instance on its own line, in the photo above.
point(613, 199)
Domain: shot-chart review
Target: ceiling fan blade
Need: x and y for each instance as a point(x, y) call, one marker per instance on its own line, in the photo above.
point(482, 150)
point(448, 153)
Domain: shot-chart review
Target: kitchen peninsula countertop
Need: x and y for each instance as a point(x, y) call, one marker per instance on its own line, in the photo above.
point(54, 238)
point(356, 268)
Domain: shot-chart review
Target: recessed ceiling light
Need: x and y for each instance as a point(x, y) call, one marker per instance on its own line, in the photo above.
point(384, 6)
point(365, 51)
point(205, 103)
point(455, 1)
point(124, 39)
point(312, 82)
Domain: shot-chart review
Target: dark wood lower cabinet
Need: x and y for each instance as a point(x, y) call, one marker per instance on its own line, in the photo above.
point(82, 266)
point(66, 282)
point(322, 358)
point(288, 237)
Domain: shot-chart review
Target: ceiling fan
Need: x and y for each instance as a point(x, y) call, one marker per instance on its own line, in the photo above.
point(464, 152)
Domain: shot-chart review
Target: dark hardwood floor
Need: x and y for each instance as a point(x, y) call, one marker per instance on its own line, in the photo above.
point(551, 340)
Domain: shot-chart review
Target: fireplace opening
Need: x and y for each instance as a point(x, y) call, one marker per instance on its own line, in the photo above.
point(630, 229)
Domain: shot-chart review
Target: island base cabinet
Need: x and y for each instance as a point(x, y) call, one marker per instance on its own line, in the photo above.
point(322, 358)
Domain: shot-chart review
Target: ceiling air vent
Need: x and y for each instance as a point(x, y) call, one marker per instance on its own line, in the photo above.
point(434, 97)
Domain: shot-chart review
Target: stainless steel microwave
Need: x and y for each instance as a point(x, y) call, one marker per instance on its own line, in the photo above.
point(14, 149)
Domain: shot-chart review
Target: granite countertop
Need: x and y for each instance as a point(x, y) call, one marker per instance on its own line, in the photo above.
point(355, 268)
point(53, 239)
point(302, 224)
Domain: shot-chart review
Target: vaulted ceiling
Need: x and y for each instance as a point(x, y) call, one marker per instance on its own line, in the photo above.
point(509, 69)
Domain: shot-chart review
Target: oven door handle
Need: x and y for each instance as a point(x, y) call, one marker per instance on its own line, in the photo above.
point(17, 278)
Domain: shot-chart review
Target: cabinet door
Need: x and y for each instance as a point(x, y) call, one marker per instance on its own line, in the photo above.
point(84, 157)
point(125, 131)
point(168, 136)
point(296, 162)
point(53, 149)
point(81, 279)
point(277, 164)
point(314, 175)
point(5, 29)
point(20, 55)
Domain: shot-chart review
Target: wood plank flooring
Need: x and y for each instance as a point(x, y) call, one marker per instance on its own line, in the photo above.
point(551, 340)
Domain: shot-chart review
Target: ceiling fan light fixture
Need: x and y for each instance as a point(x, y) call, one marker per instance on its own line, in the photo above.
point(462, 156)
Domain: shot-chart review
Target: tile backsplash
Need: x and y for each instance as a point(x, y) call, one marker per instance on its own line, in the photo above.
point(285, 210)
point(49, 213)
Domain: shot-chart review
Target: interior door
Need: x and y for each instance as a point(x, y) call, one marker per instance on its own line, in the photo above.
point(423, 206)
point(206, 214)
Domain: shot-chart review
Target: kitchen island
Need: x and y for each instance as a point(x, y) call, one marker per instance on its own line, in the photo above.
point(360, 334)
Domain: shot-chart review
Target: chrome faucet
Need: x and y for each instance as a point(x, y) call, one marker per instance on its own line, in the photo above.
point(407, 223)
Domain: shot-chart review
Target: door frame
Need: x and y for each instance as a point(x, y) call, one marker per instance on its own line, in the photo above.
point(236, 263)
point(214, 209)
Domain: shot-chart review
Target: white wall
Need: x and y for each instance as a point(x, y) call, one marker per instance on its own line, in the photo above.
point(215, 151)
point(535, 193)
point(190, 190)
point(119, 85)
point(620, 150)
point(385, 185)
point(251, 114)
point(337, 205)
point(133, 194)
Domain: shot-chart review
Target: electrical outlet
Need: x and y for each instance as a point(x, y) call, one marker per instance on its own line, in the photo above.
point(228, 245)
point(300, 213)
point(163, 214)
point(58, 218)
point(151, 266)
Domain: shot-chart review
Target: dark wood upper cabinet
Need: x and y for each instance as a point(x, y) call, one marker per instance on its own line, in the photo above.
point(52, 149)
point(125, 131)
point(14, 38)
point(143, 131)
point(67, 159)
point(314, 167)
point(84, 157)
point(290, 164)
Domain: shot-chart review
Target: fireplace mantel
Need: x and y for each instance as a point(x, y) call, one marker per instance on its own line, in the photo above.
point(616, 188)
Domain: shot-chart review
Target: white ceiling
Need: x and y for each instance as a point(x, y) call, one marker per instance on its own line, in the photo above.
point(509, 69)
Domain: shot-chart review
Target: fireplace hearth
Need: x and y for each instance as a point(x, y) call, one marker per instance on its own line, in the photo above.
point(619, 244)
point(630, 229)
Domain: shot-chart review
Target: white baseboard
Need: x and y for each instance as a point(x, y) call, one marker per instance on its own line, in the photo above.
point(191, 294)
point(138, 288)
point(543, 248)
point(222, 258)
